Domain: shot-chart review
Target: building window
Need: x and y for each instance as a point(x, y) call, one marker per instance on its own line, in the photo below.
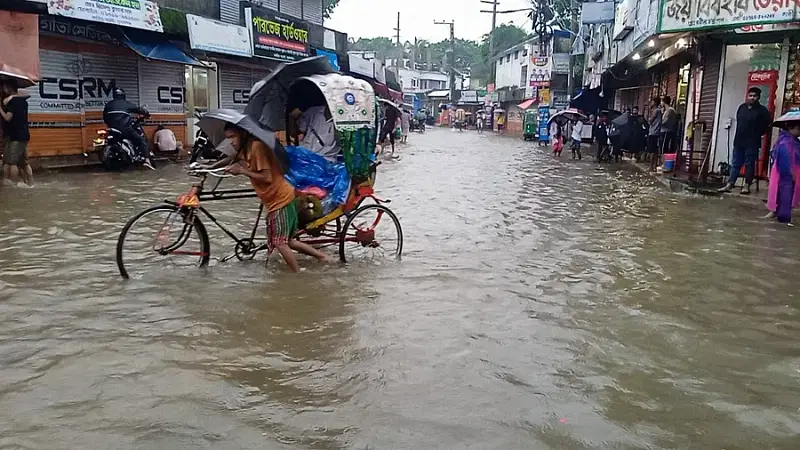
point(500, 63)
point(525, 52)
point(516, 55)
point(414, 82)
point(508, 57)
point(523, 76)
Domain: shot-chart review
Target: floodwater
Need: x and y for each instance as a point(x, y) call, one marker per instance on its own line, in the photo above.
point(540, 304)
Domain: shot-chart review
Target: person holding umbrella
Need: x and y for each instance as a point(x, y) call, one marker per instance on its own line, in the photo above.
point(261, 158)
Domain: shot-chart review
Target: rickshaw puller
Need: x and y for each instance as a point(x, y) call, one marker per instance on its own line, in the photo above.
point(277, 195)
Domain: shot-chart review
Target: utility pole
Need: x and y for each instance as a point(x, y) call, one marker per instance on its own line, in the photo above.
point(399, 47)
point(573, 28)
point(494, 4)
point(452, 57)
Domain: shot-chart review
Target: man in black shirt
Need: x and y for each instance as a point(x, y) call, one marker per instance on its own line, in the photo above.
point(14, 114)
point(752, 122)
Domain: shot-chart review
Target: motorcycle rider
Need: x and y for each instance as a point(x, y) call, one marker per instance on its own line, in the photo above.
point(118, 114)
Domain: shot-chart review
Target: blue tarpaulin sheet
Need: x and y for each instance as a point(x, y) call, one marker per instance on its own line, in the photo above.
point(308, 169)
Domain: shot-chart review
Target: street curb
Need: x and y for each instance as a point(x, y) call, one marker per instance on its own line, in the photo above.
point(676, 185)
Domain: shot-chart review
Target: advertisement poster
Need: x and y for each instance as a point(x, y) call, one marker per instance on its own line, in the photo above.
point(141, 14)
point(544, 117)
point(19, 54)
point(219, 37)
point(687, 15)
point(277, 36)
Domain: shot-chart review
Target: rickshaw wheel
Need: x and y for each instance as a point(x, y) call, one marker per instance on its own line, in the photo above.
point(368, 235)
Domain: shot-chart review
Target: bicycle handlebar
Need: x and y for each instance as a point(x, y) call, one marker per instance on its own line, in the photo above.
point(196, 170)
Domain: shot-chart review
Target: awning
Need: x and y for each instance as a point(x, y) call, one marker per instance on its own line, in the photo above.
point(152, 48)
point(439, 94)
point(526, 104)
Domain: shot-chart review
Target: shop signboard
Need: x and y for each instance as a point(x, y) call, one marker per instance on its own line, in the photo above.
point(361, 66)
point(760, 28)
point(689, 15)
point(560, 63)
point(332, 57)
point(143, 14)
point(218, 37)
point(277, 36)
point(469, 96)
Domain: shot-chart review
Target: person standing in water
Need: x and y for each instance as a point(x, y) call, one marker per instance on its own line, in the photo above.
point(16, 134)
point(784, 190)
point(752, 123)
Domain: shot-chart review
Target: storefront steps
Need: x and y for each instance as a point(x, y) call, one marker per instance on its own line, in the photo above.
point(758, 195)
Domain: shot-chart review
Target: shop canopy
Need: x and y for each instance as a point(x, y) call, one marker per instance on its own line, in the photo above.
point(152, 48)
point(526, 104)
point(439, 94)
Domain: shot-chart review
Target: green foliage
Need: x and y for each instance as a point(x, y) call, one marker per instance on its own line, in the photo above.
point(328, 6)
point(174, 21)
point(383, 46)
point(468, 54)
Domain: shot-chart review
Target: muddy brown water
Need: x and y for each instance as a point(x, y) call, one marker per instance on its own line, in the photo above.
point(540, 304)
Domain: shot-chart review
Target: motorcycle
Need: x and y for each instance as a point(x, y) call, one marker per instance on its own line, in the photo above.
point(203, 148)
point(114, 151)
point(417, 125)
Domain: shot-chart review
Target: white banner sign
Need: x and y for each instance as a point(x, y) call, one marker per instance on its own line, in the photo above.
point(686, 15)
point(469, 96)
point(142, 14)
point(561, 63)
point(219, 37)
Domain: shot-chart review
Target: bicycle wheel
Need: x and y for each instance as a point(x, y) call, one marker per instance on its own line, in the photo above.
point(160, 237)
point(368, 235)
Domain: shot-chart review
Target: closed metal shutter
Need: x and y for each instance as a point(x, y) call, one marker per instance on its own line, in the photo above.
point(234, 86)
point(312, 11)
point(292, 8)
point(117, 70)
point(708, 100)
point(82, 82)
point(271, 4)
point(229, 11)
point(163, 87)
point(57, 91)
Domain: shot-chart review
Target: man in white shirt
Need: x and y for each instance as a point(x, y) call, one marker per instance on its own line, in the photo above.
point(165, 140)
point(577, 135)
point(319, 133)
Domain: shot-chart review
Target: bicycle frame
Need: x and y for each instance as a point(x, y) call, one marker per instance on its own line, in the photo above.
point(215, 195)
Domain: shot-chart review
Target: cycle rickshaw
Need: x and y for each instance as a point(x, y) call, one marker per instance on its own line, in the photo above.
point(359, 222)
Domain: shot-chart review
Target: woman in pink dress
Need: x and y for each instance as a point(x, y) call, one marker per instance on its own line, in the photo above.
point(784, 189)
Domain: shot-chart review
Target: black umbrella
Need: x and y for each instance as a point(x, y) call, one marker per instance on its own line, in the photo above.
point(269, 97)
point(213, 125)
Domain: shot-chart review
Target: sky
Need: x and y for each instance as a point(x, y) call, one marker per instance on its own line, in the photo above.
point(373, 18)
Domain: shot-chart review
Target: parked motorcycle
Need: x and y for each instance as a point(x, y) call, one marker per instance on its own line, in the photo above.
point(114, 151)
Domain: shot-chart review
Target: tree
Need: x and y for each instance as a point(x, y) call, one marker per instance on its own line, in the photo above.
point(328, 6)
point(382, 46)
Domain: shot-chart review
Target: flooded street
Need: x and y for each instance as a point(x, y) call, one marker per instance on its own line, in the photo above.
point(540, 304)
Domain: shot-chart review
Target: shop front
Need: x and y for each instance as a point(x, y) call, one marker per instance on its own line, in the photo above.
point(751, 60)
point(81, 64)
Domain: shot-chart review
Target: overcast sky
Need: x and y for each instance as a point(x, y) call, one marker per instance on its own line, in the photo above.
point(373, 18)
